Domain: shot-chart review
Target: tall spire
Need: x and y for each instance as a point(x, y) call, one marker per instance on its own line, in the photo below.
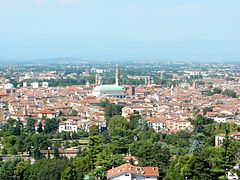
point(97, 79)
point(149, 80)
point(117, 75)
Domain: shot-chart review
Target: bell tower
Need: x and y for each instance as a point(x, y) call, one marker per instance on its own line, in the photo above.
point(117, 75)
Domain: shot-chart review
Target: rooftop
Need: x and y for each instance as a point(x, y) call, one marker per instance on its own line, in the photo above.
point(128, 168)
point(9, 86)
point(108, 88)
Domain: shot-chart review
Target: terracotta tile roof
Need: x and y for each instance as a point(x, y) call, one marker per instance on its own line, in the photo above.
point(69, 121)
point(235, 133)
point(128, 168)
point(46, 111)
point(220, 135)
point(2, 93)
point(61, 151)
point(161, 119)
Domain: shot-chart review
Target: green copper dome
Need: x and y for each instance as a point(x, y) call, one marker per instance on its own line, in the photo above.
point(108, 88)
point(9, 86)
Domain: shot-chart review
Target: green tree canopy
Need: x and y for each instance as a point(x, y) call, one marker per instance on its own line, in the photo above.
point(117, 124)
point(30, 125)
point(46, 169)
point(51, 125)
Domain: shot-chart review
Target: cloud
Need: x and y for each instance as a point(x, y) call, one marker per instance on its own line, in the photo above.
point(191, 8)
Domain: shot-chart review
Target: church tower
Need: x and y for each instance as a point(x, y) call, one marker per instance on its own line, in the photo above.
point(149, 80)
point(97, 79)
point(117, 75)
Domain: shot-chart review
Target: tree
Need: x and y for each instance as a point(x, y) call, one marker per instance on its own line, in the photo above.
point(208, 163)
point(217, 90)
point(30, 125)
point(38, 141)
point(74, 135)
point(106, 160)
point(189, 167)
point(12, 127)
point(17, 129)
point(134, 120)
point(119, 145)
point(36, 153)
point(74, 113)
point(196, 142)
point(69, 174)
point(10, 144)
point(21, 167)
point(51, 125)
point(40, 128)
point(117, 125)
point(7, 169)
point(199, 167)
point(152, 154)
point(68, 135)
point(111, 109)
point(92, 150)
point(230, 149)
point(198, 123)
point(179, 143)
point(56, 153)
point(4, 151)
point(81, 165)
point(46, 169)
point(93, 130)
point(207, 109)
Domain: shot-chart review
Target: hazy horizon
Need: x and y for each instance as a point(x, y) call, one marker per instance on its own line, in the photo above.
point(120, 30)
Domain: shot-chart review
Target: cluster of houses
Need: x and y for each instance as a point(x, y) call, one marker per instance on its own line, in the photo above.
point(47, 103)
point(164, 109)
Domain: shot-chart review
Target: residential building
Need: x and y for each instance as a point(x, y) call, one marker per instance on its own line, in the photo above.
point(129, 172)
point(158, 124)
point(67, 126)
point(220, 137)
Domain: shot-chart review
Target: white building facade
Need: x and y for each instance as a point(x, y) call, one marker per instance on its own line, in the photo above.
point(67, 126)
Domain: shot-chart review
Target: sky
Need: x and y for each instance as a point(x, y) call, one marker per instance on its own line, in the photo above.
point(120, 29)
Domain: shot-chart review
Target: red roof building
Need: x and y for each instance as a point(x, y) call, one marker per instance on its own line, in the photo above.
point(128, 172)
